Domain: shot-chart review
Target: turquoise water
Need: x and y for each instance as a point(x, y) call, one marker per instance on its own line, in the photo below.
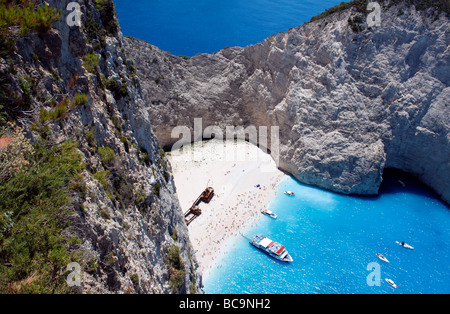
point(333, 238)
point(188, 27)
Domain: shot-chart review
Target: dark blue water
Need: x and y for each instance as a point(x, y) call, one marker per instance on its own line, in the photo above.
point(188, 27)
point(333, 238)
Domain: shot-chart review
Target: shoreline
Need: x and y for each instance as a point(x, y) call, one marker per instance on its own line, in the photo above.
point(237, 202)
point(234, 236)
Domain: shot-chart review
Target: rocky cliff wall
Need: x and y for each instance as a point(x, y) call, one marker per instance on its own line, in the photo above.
point(350, 100)
point(80, 86)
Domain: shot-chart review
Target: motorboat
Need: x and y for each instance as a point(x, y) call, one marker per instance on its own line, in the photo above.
point(403, 184)
point(290, 193)
point(391, 283)
point(269, 213)
point(405, 245)
point(382, 257)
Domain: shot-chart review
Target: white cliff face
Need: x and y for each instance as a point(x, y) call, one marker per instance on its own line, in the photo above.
point(348, 104)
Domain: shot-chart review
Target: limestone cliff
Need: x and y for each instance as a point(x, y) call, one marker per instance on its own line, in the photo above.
point(350, 100)
point(77, 84)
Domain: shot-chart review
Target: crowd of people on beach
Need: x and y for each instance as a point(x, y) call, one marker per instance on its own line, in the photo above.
point(222, 222)
point(242, 189)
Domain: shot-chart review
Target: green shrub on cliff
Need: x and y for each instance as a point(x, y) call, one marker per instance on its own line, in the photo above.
point(3, 116)
point(26, 15)
point(90, 62)
point(34, 206)
point(106, 155)
point(107, 15)
point(176, 268)
point(79, 100)
point(361, 6)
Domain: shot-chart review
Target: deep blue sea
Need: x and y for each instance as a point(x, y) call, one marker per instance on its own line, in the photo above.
point(333, 238)
point(189, 27)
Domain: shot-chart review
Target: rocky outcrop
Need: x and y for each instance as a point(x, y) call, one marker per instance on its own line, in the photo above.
point(350, 100)
point(81, 86)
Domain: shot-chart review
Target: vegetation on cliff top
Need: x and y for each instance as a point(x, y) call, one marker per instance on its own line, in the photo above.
point(361, 6)
point(20, 17)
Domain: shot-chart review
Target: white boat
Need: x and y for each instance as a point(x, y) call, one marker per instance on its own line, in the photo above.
point(274, 249)
point(290, 193)
point(391, 282)
point(401, 183)
point(269, 213)
point(405, 245)
point(384, 259)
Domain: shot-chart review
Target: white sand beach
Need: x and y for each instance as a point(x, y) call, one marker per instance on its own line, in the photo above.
point(233, 169)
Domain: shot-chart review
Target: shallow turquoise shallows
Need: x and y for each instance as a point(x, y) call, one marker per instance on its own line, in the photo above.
point(333, 238)
point(189, 27)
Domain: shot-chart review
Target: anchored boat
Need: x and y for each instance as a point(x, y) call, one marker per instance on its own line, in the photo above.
point(405, 245)
point(401, 183)
point(383, 258)
point(269, 213)
point(391, 283)
point(274, 249)
point(290, 193)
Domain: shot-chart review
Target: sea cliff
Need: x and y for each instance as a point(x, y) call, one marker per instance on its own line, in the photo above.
point(350, 100)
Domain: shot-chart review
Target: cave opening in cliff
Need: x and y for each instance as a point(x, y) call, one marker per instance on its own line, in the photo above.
point(397, 181)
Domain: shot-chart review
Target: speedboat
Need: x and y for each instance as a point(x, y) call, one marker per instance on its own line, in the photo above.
point(391, 282)
point(290, 193)
point(401, 183)
point(405, 245)
point(269, 213)
point(274, 249)
point(384, 259)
